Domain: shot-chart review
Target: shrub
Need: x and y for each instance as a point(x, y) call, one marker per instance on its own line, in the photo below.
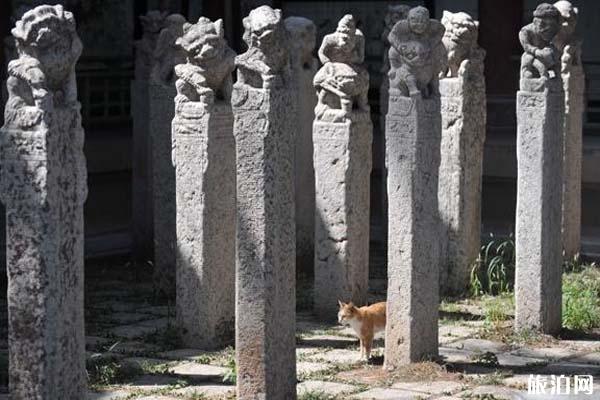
point(494, 270)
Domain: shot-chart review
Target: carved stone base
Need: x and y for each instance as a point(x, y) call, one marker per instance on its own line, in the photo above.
point(265, 271)
point(204, 156)
point(342, 158)
point(459, 195)
point(413, 131)
point(161, 113)
point(538, 226)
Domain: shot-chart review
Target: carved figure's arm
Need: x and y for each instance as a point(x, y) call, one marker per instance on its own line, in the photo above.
point(324, 49)
point(525, 37)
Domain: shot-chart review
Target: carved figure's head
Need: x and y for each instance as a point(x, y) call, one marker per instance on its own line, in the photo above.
point(263, 27)
point(204, 40)
point(568, 14)
point(153, 21)
point(48, 34)
point(346, 32)
point(418, 20)
point(396, 13)
point(546, 20)
point(303, 36)
point(461, 31)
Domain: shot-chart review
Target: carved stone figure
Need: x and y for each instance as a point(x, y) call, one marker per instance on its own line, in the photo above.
point(43, 186)
point(460, 41)
point(267, 55)
point(540, 58)
point(394, 14)
point(342, 83)
point(152, 23)
point(416, 54)
point(565, 40)
point(166, 53)
point(206, 76)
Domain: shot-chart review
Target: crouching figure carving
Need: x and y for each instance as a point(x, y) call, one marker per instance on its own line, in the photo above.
point(417, 54)
point(343, 82)
point(206, 75)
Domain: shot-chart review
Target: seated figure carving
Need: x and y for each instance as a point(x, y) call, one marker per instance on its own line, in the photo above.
point(540, 57)
point(465, 57)
point(416, 55)
point(206, 76)
point(342, 83)
point(267, 55)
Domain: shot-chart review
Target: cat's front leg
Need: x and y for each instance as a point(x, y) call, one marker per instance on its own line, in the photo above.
point(362, 348)
point(368, 344)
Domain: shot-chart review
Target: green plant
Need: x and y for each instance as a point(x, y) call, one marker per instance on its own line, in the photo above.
point(496, 308)
point(581, 299)
point(494, 270)
point(230, 376)
point(487, 359)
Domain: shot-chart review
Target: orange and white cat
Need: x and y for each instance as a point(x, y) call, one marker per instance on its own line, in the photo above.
point(366, 322)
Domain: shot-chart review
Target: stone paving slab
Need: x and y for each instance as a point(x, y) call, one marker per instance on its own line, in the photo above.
point(123, 317)
point(550, 353)
point(338, 356)
point(108, 395)
point(478, 345)
point(152, 382)
point(206, 390)
point(435, 387)
point(199, 372)
point(589, 358)
point(328, 388)
point(499, 392)
point(305, 368)
point(328, 341)
point(133, 347)
point(182, 354)
point(386, 394)
point(568, 368)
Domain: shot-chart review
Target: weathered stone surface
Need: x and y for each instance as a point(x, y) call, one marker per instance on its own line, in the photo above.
point(386, 394)
point(141, 200)
point(412, 157)
point(199, 372)
point(263, 98)
point(540, 119)
point(209, 390)
point(342, 135)
point(463, 101)
point(434, 388)
point(303, 33)
point(43, 184)
point(204, 159)
point(161, 112)
point(573, 78)
point(327, 388)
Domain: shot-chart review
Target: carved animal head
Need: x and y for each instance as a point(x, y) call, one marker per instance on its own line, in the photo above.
point(418, 20)
point(460, 36)
point(48, 34)
point(546, 21)
point(347, 312)
point(203, 41)
point(263, 27)
point(346, 33)
point(303, 37)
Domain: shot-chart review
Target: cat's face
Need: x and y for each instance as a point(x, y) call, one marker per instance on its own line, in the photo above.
point(346, 313)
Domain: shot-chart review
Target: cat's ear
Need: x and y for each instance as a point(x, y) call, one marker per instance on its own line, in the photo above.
point(351, 305)
point(341, 303)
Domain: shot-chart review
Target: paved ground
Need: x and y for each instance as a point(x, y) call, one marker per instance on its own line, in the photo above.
point(133, 353)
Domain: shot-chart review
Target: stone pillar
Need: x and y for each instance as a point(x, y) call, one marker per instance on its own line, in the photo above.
point(540, 118)
point(395, 13)
point(204, 159)
point(574, 85)
point(263, 101)
point(141, 196)
point(463, 104)
point(413, 134)
point(161, 111)
point(43, 186)
point(342, 134)
point(302, 39)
